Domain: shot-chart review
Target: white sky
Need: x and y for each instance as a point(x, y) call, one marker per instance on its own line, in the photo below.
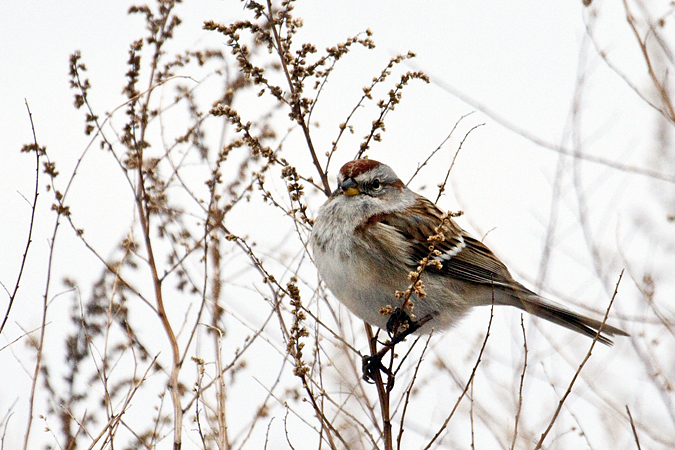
point(521, 59)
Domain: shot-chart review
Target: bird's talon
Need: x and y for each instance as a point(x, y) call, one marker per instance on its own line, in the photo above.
point(370, 365)
point(400, 325)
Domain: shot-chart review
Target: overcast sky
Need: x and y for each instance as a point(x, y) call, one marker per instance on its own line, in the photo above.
point(526, 71)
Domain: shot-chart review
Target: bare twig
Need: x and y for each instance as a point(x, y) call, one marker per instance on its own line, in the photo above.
point(520, 387)
point(471, 403)
point(115, 419)
point(581, 366)
point(295, 99)
point(662, 90)
point(468, 383)
point(441, 187)
point(60, 211)
point(426, 161)
point(38, 152)
point(408, 391)
point(383, 393)
point(393, 98)
point(632, 425)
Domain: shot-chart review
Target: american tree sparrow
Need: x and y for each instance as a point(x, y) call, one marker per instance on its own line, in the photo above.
point(373, 231)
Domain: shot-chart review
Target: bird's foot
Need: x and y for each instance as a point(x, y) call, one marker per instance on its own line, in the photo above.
point(400, 325)
point(371, 365)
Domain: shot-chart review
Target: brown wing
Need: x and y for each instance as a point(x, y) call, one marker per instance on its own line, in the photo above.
point(463, 257)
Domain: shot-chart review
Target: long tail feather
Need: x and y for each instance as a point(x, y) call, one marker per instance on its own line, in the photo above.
point(534, 304)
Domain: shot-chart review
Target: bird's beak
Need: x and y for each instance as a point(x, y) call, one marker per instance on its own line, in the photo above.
point(349, 187)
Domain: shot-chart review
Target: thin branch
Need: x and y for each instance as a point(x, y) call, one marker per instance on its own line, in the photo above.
point(383, 393)
point(60, 212)
point(581, 366)
point(632, 425)
point(468, 383)
point(441, 187)
point(409, 391)
point(520, 388)
point(426, 161)
point(115, 419)
point(36, 149)
point(663, 91)
point(295, 104)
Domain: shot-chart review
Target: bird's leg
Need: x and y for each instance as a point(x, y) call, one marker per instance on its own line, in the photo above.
point(399, 326)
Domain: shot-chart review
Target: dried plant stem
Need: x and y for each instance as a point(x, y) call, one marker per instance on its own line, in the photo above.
point(43, 325)
point(581, 366)
point(115, 420)
point(520, 387)
point(295, 97)
point(220, 385)
point(468, 383)
point(43, 322)
point(161, 312)
point(441, 187)
point(663, 90)
point(144, 212)
point(471, 403)
point(426, 161)
point(632, 425)
point(382, 393)
point(36, 148)
point(409, 391)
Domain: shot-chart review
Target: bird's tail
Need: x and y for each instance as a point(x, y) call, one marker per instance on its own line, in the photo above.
point(533, 304)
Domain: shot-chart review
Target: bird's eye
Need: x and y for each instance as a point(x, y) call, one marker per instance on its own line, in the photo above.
point(376, 184)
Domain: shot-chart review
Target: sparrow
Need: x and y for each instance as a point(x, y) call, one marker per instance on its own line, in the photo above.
point(373, 232)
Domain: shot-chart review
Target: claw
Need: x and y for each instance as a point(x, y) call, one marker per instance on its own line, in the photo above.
point(400, 325)
point(370, 365)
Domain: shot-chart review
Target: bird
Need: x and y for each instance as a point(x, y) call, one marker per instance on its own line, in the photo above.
point(373, 232)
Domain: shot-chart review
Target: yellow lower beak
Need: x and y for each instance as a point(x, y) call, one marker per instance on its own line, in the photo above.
point(351, 191)
point(349, 187)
